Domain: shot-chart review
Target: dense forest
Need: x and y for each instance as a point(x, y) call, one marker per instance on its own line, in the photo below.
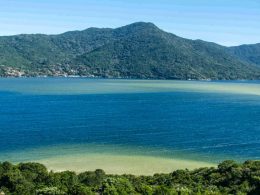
point(249, 53)
point(139, 50)
point(228, 177)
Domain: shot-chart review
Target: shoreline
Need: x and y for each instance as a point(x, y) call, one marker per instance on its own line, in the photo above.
point(120, 164)
point(130, 78)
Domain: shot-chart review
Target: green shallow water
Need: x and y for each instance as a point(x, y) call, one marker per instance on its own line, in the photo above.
point(72, 86)
point(112, 159)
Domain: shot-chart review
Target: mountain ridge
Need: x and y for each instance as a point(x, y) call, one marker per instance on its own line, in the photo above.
point(139, 50)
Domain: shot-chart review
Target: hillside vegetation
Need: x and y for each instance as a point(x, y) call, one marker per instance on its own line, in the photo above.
point(228, 178)
point(139, 50)
point(249, 53)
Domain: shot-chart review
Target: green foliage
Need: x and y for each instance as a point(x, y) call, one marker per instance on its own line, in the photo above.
point(49, 191)
point(229, 177)
point(92, 178)
point(117, 186)
point(80, 189)
point(139, 50)
point(34, 172)
point(248, 53)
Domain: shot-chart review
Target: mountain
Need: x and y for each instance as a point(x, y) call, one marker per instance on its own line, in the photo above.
point(139, 50)
point(248, 53)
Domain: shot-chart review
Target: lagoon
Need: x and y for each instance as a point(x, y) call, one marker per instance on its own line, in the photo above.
point(128, 126)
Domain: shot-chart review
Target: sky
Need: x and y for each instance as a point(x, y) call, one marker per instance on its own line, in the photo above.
point(227, 22)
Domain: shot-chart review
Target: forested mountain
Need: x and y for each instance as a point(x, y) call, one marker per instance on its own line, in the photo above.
point(249, 53)
point(139, 50)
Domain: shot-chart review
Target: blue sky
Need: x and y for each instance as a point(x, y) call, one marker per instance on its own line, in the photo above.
point(227, 22)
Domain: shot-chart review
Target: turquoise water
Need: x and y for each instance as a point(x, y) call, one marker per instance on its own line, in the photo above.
point(209, 121)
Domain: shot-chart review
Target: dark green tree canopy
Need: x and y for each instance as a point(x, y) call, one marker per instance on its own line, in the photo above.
point(229, 177)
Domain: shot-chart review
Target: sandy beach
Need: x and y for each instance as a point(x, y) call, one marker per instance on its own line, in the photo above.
point(120, 164)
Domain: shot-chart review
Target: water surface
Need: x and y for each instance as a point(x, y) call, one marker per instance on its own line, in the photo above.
point(49, 119)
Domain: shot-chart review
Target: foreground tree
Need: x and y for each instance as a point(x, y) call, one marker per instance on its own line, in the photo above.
point(229, 177)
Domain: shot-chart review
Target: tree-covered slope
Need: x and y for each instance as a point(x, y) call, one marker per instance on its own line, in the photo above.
point(249, 53)
point(139, 50)
point(148, 52)
point(42, 54)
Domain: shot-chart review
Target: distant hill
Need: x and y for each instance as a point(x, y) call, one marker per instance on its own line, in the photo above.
point(139, 50)
point(248, 53)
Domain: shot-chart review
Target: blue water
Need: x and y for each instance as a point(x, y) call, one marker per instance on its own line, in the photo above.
point(213, 125)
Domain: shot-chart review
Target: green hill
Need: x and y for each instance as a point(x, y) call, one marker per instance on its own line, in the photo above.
point(249, 53)
point(139, 50)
